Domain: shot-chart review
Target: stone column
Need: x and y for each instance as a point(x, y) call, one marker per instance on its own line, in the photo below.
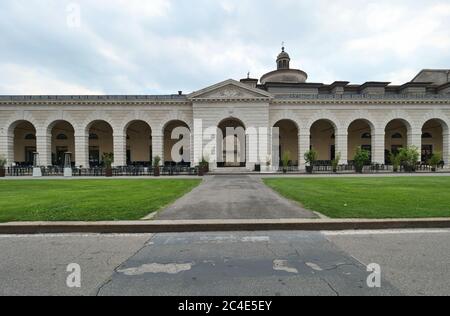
point(341, 145)
point(415, 139)
point(304, 145)
point(120, 150)
point(158, 146)
point(81, 150)
point(251, 140)
point(446, 148)
point(7, 148)
point(43, 147)
point(378, 147)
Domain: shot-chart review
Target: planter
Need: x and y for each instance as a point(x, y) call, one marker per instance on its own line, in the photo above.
point(157, 172)
point(2, 172)
point(432, 170)
point(266, 169)
point(309, 169)
point(108, 172)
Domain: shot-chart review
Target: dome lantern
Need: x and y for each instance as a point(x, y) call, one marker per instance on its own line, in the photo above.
point(283, 60)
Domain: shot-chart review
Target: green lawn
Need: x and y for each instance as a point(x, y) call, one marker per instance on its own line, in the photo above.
point(87, 200)
point(402, 197)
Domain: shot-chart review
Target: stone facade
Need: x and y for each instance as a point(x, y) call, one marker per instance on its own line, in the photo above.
point(332, 119)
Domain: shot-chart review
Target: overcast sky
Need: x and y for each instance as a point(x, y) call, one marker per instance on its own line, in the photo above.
point(162, 46)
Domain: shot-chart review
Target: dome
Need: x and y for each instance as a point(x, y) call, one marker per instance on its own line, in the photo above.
point(283, 55)
point(284, 73)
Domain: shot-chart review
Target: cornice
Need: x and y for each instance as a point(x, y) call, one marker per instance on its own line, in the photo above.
point(362, 101)
point(92, 103)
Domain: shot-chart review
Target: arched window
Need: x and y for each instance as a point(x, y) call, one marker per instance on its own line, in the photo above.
point(397, 136)
point(61, 137)
point(30, 137)
point(366, 136)
point(93, 136)
point(427, 136)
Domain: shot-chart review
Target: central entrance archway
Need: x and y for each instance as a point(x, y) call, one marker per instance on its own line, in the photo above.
point(231, 144)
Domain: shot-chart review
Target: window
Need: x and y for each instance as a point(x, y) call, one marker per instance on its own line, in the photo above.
point(427, 136)
point(93, 136)
point(30, 137)
point(62, 137)
point(366, 136)
point(397, 136)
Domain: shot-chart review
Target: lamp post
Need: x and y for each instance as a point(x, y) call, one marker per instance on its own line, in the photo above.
point(37, 171)
point(68, 164)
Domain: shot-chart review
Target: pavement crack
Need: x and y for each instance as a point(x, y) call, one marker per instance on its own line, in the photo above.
point(331, 287)
point(109, 280)
point(339, 266)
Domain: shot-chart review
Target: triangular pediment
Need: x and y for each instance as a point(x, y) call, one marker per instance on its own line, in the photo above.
point(230, 89)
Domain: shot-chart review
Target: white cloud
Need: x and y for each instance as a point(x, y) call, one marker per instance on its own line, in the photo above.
point(19, 80)
point(162, 46)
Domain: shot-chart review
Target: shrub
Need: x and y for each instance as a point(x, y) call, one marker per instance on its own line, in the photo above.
point(108, 159)
point(409, 157)
point(435, 160)
point(156, 161)
point(3, 161)
point(362, 157)
point(396, 161)
point(311, 157)
point(335, 162)
point(286, 159)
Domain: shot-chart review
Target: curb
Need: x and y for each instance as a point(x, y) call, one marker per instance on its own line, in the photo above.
point(139, 227)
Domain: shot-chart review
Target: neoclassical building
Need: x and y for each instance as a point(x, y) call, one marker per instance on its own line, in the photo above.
point(330, 118)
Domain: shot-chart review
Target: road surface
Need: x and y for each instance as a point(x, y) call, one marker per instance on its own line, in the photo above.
point(413, 262)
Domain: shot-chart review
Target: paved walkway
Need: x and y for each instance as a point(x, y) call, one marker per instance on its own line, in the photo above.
point(233, 197)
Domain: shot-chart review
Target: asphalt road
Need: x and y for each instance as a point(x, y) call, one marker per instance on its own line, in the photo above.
point(264, 263)
point(233, 197)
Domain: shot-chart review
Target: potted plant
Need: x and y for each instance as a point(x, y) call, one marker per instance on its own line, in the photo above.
point(286, 159)
point(3, 163)
point(310, 159)
point(435, 161)
point(335, 162)
point(108, 159)
point(156, 167)
point(409, 157)
point(361, 158)
point(396, 161)
point(203, 167)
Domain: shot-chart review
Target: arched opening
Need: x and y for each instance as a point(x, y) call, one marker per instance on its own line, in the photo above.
point(433, 139)
point(323, 141)
point(231, 143)
point(24, 143)
point(177, 143)
point(396, 138)
point(359, 135)
point(288, 141)
point(100, 142)
point(63, 141)
point(139, 144)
